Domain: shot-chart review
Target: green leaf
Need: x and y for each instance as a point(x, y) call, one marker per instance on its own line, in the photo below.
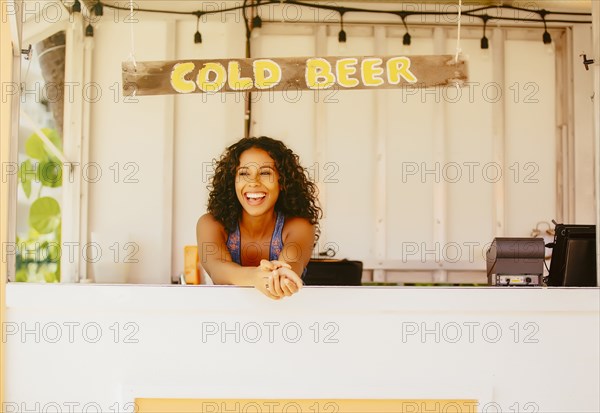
point(27, 172)
point(53, 251)
point(35, 147)
point(21, 276)
point(44, 215)
point(49, 275)
point(58, 271)
point(50, 173)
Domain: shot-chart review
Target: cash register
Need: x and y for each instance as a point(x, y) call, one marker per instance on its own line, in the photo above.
point(516, 262)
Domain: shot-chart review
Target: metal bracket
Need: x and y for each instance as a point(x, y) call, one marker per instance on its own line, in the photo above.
point(27, 52)
point(587, 62)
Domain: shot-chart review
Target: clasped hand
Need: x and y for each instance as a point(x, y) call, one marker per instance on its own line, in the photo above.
point(277, 279)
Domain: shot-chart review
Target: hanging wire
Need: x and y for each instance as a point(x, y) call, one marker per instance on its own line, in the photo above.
point(406, 40)
point(458, 50)
point(484, 40)
point(198, 35)
point(132, 52)
point(472, 12)
point(342, 33)
point(546, 38)
point(476, 13)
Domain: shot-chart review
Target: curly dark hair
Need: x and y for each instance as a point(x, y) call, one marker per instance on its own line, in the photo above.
point(297, 196)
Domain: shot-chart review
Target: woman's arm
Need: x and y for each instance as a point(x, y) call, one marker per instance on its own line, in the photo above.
point(216, 259)
point(298, 241)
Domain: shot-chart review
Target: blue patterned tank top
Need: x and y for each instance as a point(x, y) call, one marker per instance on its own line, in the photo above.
point(234, 241)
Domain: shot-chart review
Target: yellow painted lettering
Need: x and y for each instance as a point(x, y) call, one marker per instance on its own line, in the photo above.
point(399, 68)
point(318, 74)
point(345, 68)
point(235, 79)
point(371, 70)
point(178, 80)
point(205, 83)
point(267, 73)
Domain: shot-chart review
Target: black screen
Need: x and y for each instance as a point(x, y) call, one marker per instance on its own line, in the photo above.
point(580, 262)
point(573, 256)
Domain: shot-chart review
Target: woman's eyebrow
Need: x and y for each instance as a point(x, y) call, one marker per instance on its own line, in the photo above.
point(255, 166)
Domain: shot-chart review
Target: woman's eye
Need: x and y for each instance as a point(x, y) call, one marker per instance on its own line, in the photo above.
point(265, 173)
point(244, 173)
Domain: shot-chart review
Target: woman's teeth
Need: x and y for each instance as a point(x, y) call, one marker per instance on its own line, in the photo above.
point(257, 195)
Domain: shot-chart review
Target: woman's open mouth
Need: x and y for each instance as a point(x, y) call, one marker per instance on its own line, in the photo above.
point(255, 198)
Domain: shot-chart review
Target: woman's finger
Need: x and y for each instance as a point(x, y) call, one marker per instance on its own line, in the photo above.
point(289, 287)
point(267, 265)
point(277, 284)
point(292, 276)
point(286, 287)
point(280, 264)
point(268, 294)
point(267, 290)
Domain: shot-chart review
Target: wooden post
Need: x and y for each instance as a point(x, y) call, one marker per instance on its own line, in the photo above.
point(8, 49)
point(596, 69)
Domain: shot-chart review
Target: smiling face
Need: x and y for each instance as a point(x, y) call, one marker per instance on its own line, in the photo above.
point(257, 182)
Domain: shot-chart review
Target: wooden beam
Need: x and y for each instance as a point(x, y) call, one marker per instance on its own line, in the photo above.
point(147, 405)
point(7, 47)
point(12, 11)
point(596, 120)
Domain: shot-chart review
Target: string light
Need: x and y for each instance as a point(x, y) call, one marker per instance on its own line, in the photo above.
point(98, 9)
point(342, 33)
point(76, 7)
point(485, 44)
point(342, 37)
point(256, 22)
point(198, 35)
point(406, 39)
point(89, 30)
point(546, 38)
point(256, 25)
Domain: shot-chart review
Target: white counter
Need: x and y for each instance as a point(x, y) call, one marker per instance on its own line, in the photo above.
point(90, 347)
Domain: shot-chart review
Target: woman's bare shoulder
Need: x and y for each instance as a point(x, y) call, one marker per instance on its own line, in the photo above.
point(208, 224)
point(295, 224)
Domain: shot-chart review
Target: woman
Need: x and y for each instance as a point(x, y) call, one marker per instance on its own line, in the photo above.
point(262, 218)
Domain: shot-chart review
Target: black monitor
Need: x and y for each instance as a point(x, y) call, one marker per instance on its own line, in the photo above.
point(573, 257)
point(333, 272)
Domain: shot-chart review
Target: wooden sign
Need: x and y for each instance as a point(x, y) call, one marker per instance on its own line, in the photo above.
point(147, 405)
point(297, 73)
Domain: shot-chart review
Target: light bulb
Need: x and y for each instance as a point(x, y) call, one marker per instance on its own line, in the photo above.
point(98, 9)
point(256, 22)
point(485, 54)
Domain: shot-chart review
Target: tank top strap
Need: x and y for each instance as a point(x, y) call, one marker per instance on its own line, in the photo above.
point(277, 238)
point(277, 241)
point(233, 245)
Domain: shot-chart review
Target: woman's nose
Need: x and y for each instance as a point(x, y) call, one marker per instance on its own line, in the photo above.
point(253, 177)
